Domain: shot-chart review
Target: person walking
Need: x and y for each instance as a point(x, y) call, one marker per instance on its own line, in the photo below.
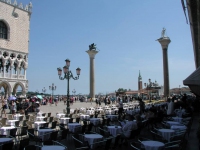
point(4, 107)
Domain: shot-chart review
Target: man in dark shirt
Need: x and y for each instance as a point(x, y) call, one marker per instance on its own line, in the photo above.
point(26, 106)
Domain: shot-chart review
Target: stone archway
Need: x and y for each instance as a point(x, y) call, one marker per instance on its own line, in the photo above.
point(16, 86)
point(7, 88)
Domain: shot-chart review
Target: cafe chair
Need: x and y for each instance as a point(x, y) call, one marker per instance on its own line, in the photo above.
point(33, 147)
point(79, 145)
point(23, 143)
point(7, 146)
point(136, 146)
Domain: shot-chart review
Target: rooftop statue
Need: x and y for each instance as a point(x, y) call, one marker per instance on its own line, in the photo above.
point(163, 33)
point(92, 47)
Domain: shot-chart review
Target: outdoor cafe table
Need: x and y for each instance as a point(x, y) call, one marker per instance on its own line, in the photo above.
point(53, 147)
point(60, 115)
point(82, 117)
point(16, 117)
point(91, 138)
point(72, 126)
point(44, 133)
point(5, 140)
point(11, 122)
point(153, 145)
point(95, 121)
point(89, 112)
point(177, 119)
point(39, 118)
point(6, 130)
point(114, 130)
point(112, 117)
point(64, 120)
point(172, 123)
point(38, 124)
point(166, 133)
point(178, 128)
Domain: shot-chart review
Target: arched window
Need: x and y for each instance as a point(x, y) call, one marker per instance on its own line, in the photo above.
point(3, 30)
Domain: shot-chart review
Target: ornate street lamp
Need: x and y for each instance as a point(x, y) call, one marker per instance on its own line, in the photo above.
point(68, 75)
point(149, 86)
point(74, 91)
point(52, 88)
point(44, 90)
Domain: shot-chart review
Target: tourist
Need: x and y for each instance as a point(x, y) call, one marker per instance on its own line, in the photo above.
point(13, 107)
point(4, 107)
point(37, 106)
point(127, 128)
point(26, 106)
point(170, 109)
point(142, 106)
point(120, 110)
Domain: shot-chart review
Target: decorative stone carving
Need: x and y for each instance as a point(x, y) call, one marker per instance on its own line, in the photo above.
point(30, 7)
point(26, 8)
point(8, 1)
point(20, 6)
point(15, 2)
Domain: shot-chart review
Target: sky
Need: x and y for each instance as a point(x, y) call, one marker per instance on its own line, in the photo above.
point(125, 32)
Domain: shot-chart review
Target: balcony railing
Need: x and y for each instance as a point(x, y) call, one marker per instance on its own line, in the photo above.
point(13, 76)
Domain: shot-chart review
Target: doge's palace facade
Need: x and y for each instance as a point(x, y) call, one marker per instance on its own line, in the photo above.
point(14, 45)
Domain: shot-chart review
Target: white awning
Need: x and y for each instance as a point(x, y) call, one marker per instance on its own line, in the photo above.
point(193, 81)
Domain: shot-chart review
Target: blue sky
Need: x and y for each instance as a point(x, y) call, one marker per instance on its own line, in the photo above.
point(125, 32)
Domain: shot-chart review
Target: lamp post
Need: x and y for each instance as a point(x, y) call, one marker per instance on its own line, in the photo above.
point(52, 88)
point(36, 91)
point(74, 91)
point(44, 90)
point(68, 75)
point(149, 86)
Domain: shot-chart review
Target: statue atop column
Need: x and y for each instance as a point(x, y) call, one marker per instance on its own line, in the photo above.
point(92, 47)
point(163, 33)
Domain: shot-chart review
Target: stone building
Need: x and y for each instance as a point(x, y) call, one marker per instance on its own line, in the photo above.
point(14, 45)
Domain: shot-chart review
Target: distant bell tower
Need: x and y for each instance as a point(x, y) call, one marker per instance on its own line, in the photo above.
point(139, 82)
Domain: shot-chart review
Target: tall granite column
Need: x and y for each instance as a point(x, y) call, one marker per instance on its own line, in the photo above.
point(164, 41)
point(92, 52)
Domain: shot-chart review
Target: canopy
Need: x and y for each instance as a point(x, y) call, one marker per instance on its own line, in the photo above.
point(39, 96)
point(193, 81)
point(12, 98)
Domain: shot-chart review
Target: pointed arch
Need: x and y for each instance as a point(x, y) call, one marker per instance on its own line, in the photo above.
point(16, 86)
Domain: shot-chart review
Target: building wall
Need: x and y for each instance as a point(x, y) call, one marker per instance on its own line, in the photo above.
point(18, 38)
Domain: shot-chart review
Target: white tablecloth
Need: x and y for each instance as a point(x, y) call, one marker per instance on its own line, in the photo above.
point(64, 120)
point(82, 117)
point(89, 112)
point(112, 117)
point(91, 138)
point(114, 131)
point(6, 130)
point(95, 121)
point(53, 147)
point(39, 118)
point(43, 133)
point(60, 115)
point(38, 124)
point(166, 133)
point(178, 128)
point(153, 145)
point(73, 127)
point(5, 140)
point(16, 117)
point(172, 123)
point(11, 122)
point(130, 112)
point(177, 119)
